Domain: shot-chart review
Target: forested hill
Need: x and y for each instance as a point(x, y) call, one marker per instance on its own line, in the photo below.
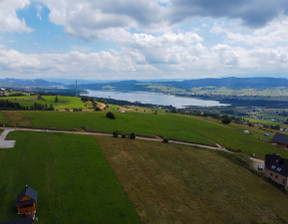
point(13, 83)
point(230, 83)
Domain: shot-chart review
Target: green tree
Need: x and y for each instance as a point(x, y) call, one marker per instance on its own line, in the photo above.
point(115, 134)
point(226, 120)
point(110, 115)
point(132, 136)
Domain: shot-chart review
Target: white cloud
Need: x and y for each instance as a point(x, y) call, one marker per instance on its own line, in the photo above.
point(39, 9)
point(84, 19)
point(9, 21)
point(274, 34)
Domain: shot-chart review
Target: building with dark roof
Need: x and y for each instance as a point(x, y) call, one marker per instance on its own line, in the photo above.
point(27, 220)
point(280, 140)
point(26, 201)
point(276, 168)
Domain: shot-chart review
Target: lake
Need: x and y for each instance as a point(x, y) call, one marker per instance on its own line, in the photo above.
point(154, 98)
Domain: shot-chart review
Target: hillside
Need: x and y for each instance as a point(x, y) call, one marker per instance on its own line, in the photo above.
point(166, 183)
point(198, 86)
point(166, 125)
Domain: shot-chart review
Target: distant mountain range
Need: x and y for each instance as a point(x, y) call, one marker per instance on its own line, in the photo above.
point(18, 83)
point(134, 85)
point(230, 83)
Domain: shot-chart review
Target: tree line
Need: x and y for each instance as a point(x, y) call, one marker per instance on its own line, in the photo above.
point(7, 105)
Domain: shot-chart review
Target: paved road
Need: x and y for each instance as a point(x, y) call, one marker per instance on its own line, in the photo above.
point(257, 162)
point(218, 147)
point(11, 143)
point(7, 144)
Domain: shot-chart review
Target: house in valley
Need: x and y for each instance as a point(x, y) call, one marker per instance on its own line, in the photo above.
point(26, 202)
point(276, 169)
point(280, 140)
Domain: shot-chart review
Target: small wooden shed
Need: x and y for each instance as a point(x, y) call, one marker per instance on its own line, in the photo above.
point(26, 202)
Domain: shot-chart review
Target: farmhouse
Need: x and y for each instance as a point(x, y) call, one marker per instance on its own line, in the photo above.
point(27, 220)
point(26, 202)
point(276, 168)
point(280, 139)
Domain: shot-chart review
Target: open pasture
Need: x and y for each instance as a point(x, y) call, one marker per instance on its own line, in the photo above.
point(170, 183)
point(74, 181)
point(172, 126)
point(63, 101)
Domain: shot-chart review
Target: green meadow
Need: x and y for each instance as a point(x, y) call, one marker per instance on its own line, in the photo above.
point(74, 181)
point(63, 101)
point(172, 126)
point(170, 183)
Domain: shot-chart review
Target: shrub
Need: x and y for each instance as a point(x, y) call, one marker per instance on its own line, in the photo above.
point(110, 115)
point(226, 120)
point(115, 134)
point(132, 136)
point(123, 136)
point(165, 140)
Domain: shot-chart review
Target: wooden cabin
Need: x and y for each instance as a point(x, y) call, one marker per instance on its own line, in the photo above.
point(26, 202)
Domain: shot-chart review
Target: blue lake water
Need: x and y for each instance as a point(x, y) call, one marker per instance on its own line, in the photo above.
point(154, 98)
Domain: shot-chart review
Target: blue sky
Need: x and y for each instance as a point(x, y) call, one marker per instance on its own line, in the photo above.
point(143, 39)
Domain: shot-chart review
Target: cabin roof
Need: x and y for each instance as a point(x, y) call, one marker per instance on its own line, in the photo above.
point(27, 220)
point(280, 138)
point(276, 164)
point(29, 192)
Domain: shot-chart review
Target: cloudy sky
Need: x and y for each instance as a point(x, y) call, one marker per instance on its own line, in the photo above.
point(143, 39)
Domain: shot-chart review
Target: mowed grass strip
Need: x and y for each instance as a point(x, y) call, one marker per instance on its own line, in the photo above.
point(74, 181)
point(176, 184)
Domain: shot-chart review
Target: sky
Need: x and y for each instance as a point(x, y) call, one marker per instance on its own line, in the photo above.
point(143, 39)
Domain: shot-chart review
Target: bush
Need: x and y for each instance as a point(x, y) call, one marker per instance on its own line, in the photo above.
point(115, 134)
point(226, 120)
point(132, 136)
point(123, 136)
point(110, 115)
point(165, 140)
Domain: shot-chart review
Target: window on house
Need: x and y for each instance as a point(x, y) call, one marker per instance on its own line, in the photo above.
point(276, 176)
point(284, 181)
point(271, 174)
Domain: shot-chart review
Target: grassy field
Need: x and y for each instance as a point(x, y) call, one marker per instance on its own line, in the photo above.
point(165, 125)
point(176, 184)
point(63, 101)
point(3, 119)
point(74, 181)
point(173, 126)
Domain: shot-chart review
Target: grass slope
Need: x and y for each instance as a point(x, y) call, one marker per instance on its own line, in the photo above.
point(176, 184)
point(173, 126)
point(3, 119)
point(63, 101)
point(165, 125)
point(74, 181)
